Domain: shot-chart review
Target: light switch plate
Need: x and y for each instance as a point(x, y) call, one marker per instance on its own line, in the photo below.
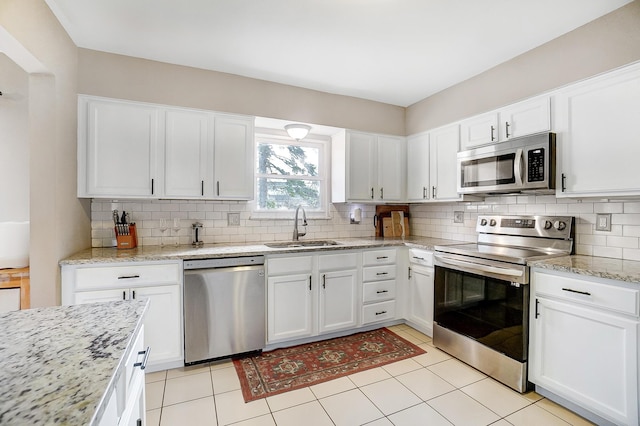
point(233, 219)
point(603, 222)
point(458, 217)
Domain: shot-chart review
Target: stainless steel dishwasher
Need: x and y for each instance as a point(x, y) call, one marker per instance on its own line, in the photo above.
point(224, 307)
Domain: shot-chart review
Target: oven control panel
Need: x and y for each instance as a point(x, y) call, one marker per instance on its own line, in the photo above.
point(530, 226)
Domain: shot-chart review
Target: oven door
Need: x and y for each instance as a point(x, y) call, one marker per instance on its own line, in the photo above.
point(491, 311)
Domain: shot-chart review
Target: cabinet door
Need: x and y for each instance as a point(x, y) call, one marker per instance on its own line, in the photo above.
point(390, 170)
point(233, 158)
point(338, 300)
point(525, 118)
point(187, 138)
point(420, 306)
point(597, 126)
point(587, 357)
point(100, 296)
point(289, 307)
point(418, 187)
point(163, 322)
point(117, 145)
point(361, 157)
point(479, 130)
point(444, 143)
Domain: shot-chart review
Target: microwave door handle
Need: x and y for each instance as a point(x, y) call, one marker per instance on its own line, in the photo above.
point(483, 268)
point(518, 167)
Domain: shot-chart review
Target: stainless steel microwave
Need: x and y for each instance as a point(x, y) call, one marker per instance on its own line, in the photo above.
point(523, 164)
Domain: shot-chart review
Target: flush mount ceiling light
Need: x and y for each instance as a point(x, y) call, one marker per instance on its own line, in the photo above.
point(297, 131)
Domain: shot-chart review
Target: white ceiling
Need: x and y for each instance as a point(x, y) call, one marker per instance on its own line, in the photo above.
point(392, 51)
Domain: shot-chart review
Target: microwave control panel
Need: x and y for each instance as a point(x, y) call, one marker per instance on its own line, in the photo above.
point(535, 165)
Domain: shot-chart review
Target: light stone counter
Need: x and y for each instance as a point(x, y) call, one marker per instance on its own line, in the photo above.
point(60, 364)
point(150, 253)
point(600, 267)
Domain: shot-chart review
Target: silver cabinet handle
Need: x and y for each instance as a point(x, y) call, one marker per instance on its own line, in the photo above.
point(134, 294)
point(382, 291)
point(218, 187)
point(493, 129)
point(418, 258)
point(381, 313)
point(128, 277)
point(424, 192)
point(324, 280)
point(151, 186)
point(564, 182)
point(309, 282)
point(506, 126)
point(382, 273)
point(143, 364)
point(201, 187)
point(382, 193)
point(433, 192)
point(382, 257)
point(124, 295)
point(372, 193)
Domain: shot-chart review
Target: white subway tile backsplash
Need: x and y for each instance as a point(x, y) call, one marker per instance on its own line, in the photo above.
point(631, 254)
point(632, 207)
point(613, 252)
point(631, 231)
point(608, 207)
point(624, 242)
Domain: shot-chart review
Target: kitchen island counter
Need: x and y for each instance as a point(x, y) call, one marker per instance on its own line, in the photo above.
point(599, 267)
point(184, 252)
point(60, 364)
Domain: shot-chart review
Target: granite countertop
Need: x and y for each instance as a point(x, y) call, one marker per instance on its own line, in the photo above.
point(150, 253)
point(60, 364)
point(600, 267)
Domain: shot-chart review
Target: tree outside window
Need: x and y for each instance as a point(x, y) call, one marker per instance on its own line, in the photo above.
point(288, 175)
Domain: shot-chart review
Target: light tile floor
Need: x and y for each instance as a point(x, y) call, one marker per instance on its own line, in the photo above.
point(430, 389)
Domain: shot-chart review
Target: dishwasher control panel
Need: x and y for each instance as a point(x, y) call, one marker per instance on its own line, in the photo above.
point(223, 262)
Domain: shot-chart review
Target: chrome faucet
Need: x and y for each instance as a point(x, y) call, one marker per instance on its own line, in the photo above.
point(297, 234)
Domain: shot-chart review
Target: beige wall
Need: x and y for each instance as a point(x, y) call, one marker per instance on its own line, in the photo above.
point(60, 223)
point(598, 46)
point(124, 77)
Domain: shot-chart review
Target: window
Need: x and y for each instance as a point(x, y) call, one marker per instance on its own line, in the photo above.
point(289, 174)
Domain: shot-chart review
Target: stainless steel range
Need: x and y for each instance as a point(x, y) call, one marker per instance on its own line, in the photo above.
point(481, 303)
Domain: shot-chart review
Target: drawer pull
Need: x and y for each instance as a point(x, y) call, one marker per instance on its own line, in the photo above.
point(382, 257)
point(418, 258)
point(143, 364)
point(128, 277)
point(382, 273)
point(382, 291)
point(381, 313)
point(586, 293)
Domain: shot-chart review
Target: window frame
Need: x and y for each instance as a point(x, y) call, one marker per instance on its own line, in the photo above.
point(312, 141)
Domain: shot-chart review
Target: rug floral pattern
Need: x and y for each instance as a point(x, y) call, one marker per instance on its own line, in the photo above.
point(282, 370)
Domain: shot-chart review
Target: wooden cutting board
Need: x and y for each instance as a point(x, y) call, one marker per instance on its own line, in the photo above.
point(390, 229)
point(384, 211)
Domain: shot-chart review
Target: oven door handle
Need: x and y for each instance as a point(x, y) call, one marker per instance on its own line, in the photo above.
point(479, 267)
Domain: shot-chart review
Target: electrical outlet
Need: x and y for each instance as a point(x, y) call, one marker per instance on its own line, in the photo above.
point(603, 222)
point(233, 219)
point(458, 217)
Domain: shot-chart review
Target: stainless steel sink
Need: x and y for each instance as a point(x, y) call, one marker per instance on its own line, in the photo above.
point(311, 243)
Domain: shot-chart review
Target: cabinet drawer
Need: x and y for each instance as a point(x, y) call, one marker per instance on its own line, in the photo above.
point(289, 265)
point(337, 261)
point(379, 257)
point(590, 293)
point(127, 275)
point(377, 273)
point(379, 312)
point(421, 257)
point(378, 291)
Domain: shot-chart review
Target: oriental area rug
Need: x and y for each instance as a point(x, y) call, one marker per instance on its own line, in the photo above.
point(283, 370)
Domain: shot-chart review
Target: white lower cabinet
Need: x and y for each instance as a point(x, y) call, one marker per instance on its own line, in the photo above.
point(584, 344)
point(379, 272)
point(420, 293)
point(311, 295)
point(126, 405)
point(160, 282)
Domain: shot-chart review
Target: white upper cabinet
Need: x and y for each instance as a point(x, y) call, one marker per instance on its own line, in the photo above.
point(367, 167)
point(234, 157)
point(117, 148)
point(188, 137)
point(520, 119)
point(598, 133)
point(431, 165)
point(138, 150)
point(418, 186)
point(444, 144)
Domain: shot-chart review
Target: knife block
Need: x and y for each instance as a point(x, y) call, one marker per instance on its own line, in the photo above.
point(127, 241)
